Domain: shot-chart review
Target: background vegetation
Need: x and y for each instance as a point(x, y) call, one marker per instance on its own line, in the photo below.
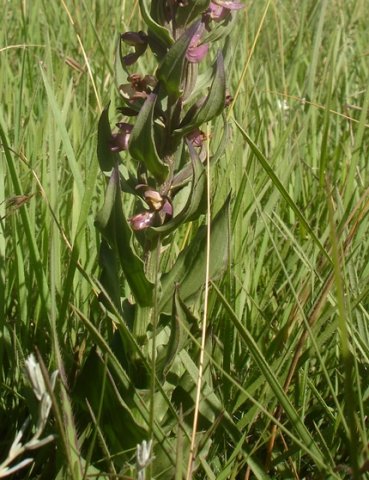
point(288, 322)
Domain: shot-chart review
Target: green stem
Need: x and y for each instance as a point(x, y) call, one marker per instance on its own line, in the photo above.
point(155, 319)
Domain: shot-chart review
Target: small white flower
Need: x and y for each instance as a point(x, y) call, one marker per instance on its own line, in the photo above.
point(143, 458)
point(35, 377)
point(283, 105)
point(17, 448)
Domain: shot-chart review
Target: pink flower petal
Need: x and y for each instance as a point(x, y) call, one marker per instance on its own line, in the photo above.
point(141, 220)
point(196, 54)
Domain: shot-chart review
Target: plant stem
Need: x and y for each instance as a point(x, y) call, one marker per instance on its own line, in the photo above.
point(155, 318)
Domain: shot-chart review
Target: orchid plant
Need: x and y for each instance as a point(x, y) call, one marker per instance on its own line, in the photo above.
point(160, 128)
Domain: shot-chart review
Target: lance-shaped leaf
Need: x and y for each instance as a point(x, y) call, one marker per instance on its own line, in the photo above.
point(109, 277)
point(114, 227)
point(195, 201)
point(220, 30)
point(171, 68)
point(214, 103)
point(107, 158)
point(142, 143)
point(120, 73)
point(160, 33)
point(104, 215)
point(113, 410)
point(193, 9)
point(182, 321)
point(189, 269)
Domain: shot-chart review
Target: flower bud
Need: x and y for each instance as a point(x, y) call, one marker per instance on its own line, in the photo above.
point(139, 41)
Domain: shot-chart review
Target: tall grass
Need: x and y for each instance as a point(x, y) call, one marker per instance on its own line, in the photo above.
point(287, 353)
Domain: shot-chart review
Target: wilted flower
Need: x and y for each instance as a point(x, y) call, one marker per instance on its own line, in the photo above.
point(139, 41)
point(119, 141)
point(138, 88)
point(228, 99)
point(197, 51)
point(196, 137)
point(219, 9)
point(142, 84)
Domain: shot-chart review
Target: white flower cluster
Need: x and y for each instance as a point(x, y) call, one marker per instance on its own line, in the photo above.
point(143, 458)
point(37, 382)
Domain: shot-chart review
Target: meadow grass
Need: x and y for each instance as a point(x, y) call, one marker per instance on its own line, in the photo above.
point(285, 392)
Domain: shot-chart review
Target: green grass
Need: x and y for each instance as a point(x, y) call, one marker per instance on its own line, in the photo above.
point(288, 342)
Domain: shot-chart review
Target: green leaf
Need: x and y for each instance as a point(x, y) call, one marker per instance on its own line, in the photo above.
point(115, 413)
point(214, 103)
point(120, 72)
point(107, 158)
point(184, 175)
point(109, 277)
point(171, 68)
point(194, 204)
point(211, 406)
point(66, 139)
point(114, 227)
point(305, 435)
point(192, 10)
point(142, 144)
point(128, 395)
point(224, 141)
point(220, 30)
point(102, 218)
point(189, 269)
point(181, 322)
point(160, 33)
point(264, 163)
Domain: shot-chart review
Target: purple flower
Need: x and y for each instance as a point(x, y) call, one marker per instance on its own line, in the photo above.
point(139, 41)
point(153, 199)
point(156, 201)
point(219, 9)
point(119, 141)
point(142, 220)
point(197, 51)
point(160, 209)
